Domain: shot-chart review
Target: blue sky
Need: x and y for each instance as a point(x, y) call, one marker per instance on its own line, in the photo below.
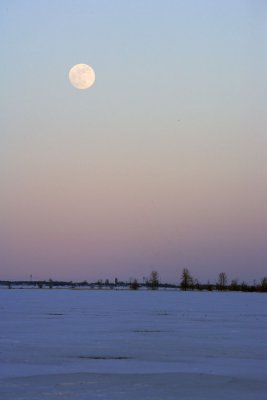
point(161, 164)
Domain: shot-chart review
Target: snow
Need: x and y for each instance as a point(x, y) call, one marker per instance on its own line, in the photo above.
point(94, 344)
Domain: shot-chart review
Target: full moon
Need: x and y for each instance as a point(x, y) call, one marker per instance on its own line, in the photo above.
point(82, 76)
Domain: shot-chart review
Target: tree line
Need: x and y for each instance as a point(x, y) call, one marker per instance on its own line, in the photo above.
point(186, 283)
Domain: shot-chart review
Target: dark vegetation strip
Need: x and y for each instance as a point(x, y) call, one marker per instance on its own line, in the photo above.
point(187, 283)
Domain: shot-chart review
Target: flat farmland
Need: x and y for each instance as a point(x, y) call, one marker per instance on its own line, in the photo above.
point(122, 344)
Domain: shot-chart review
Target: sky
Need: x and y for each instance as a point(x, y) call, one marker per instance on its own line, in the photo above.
point(160, 165)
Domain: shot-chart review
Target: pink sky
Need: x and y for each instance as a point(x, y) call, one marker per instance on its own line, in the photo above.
point(162, 164)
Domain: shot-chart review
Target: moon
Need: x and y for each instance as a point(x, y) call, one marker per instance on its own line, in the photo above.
point(82, 76)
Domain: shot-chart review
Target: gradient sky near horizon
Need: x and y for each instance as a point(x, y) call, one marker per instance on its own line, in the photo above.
point(162, 164)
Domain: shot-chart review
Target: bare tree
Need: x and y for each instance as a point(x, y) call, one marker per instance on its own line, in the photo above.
point(154, 280)
point(234, 285)
point(263, 284)
point(134, 285)
point(186, 280)
point(222, 281)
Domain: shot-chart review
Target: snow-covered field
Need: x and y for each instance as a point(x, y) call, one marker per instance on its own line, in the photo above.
point(82, 344)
